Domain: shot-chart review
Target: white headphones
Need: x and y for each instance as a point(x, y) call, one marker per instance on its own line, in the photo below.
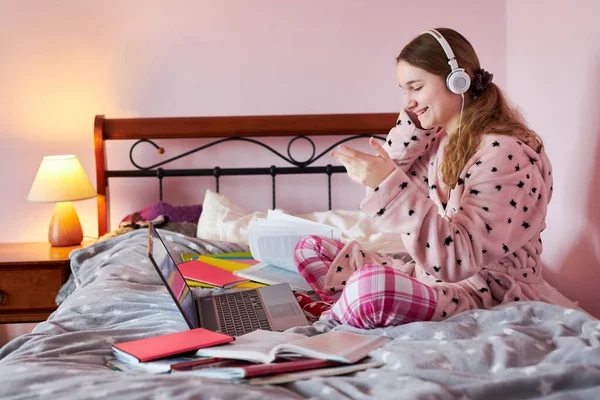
point(458, 80)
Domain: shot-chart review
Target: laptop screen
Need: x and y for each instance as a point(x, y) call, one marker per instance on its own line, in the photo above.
point(168, 271)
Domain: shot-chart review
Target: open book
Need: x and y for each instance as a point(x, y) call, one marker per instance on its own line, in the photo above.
point(272, 241)
point(272, 275)
point(267, 346)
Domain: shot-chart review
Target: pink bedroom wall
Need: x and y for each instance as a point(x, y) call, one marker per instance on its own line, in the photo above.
point(554, 76)
point(65, 61)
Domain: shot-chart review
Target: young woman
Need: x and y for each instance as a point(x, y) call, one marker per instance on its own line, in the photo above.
point(462, 180)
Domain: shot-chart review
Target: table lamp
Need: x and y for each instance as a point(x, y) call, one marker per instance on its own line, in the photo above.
point(61, 180)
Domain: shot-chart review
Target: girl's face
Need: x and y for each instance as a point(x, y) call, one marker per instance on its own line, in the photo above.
point(427, 96)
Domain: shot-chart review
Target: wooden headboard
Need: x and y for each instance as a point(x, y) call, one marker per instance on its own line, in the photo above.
point(221, 127)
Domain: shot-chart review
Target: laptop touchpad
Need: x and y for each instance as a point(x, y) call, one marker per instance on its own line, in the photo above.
point(282, 310)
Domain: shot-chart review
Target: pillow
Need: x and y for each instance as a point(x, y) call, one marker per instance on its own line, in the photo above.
point(175, 213)
point(224, 220)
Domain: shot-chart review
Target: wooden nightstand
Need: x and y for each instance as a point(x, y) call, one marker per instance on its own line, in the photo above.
point(31, 274)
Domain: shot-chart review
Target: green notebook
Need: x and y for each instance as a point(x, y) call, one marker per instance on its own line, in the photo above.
point(244, 255)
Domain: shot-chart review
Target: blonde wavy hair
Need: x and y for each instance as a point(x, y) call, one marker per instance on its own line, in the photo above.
point(489, 113)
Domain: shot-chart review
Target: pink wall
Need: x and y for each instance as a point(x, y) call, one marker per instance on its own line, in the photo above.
point(554, 76)
point(65, 61)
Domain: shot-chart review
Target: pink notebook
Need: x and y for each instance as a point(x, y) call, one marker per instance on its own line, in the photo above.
point(199, 271)
point(156, 347)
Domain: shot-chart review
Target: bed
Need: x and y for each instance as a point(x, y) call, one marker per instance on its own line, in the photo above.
point(520, 350)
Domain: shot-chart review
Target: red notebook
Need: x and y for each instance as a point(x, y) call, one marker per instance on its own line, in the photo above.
point(282, 367)
point(156, 347)
point(221, 368)
point(202, 272)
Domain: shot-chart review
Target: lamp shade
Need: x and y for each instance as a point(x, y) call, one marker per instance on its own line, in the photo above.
point(60, 178)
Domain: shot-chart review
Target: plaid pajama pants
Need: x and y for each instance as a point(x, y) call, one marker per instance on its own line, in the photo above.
point(374, 295)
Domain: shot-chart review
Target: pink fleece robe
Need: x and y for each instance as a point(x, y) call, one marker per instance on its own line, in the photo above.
point(486, 250)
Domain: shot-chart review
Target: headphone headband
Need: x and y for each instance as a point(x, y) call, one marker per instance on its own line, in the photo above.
point(446, 46)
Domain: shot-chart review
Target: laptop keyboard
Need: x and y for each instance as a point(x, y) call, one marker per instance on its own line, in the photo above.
point(241, 312)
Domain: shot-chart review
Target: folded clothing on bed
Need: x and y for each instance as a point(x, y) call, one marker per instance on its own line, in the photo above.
point(181, 219)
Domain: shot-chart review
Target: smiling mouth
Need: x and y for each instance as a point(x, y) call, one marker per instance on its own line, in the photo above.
point(422, 111)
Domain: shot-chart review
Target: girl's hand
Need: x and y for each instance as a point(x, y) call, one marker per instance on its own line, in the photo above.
point(414, 118)
point(366, 169)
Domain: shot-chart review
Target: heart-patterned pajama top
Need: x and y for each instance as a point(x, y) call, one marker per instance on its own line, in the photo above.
point(486, 249)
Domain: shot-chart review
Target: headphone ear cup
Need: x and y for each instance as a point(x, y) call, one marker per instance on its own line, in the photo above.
point(458, 81)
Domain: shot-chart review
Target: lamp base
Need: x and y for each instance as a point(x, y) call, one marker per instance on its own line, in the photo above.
point(65, 228)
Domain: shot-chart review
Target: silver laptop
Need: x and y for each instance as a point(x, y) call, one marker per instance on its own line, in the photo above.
point(233, 313)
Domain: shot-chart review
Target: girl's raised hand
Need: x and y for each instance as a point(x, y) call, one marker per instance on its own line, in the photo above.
point(366, 169)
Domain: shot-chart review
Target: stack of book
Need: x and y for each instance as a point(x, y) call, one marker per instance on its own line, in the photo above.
point(260, 357)
point(217, 270)
point(269, 262)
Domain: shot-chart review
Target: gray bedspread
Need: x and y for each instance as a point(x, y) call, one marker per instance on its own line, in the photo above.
point(521, 350)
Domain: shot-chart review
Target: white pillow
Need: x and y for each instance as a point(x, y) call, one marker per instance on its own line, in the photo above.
point(224, 220)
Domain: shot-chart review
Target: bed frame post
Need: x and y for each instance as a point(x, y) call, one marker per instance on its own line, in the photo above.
point(329, 170)
point(101, 183)
point(273, 171)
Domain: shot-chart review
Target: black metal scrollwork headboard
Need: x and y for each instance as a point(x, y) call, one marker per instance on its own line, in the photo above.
point(146, 130)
